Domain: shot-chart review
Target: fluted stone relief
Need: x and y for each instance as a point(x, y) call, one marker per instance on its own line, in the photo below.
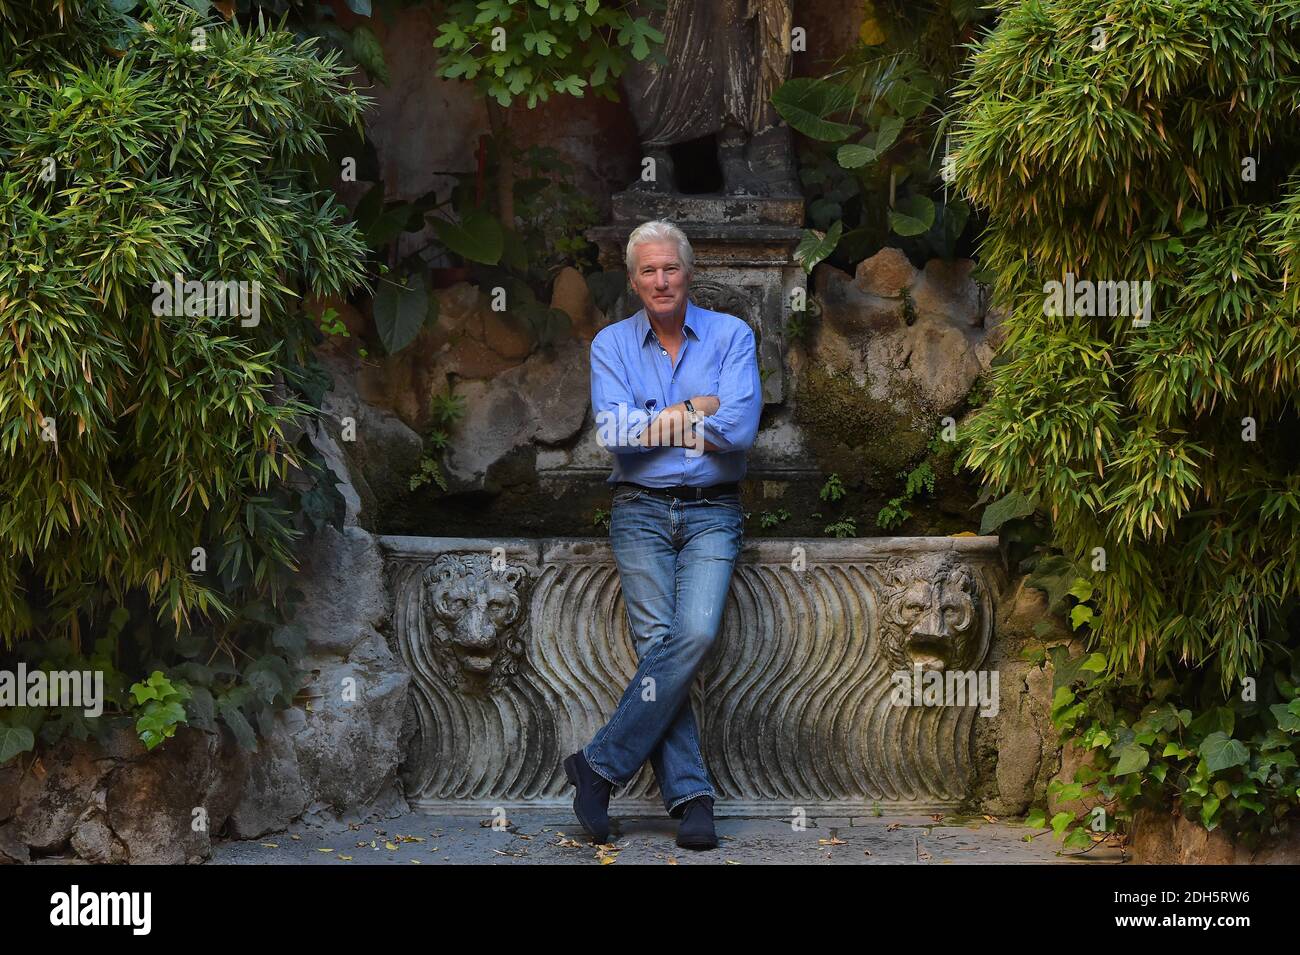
point(519, 651)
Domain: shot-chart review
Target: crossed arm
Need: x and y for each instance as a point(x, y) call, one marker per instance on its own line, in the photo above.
point(623, 427)
point(672, 426)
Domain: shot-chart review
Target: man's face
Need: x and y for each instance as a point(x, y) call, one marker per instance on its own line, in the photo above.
point(660, 280)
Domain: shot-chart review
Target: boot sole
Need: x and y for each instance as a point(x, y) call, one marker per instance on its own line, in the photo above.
point(698, 844)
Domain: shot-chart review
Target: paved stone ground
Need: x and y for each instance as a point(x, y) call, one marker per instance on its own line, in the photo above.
point(556, 838)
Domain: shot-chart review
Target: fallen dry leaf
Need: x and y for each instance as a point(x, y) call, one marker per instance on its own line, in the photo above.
point(270, 845)
point(833, 841)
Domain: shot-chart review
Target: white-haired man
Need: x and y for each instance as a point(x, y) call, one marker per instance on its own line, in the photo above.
point(677, 397)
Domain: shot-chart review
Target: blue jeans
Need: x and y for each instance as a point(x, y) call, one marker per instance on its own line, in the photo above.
point(675, 560)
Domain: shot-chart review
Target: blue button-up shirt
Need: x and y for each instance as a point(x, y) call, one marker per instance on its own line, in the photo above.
point(633, 379)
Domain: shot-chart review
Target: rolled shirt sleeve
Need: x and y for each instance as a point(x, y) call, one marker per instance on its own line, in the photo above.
point(740, 396)
point(619, 422)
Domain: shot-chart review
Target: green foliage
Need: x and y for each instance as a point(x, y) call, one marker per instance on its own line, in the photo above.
point(844, 527)
point(1121, 162)
point(445, 412)
point(917, 481)
point(154, 476)
point(879, 121)
point(160, 707)
point(1224, 762)
point(529, 49)
point(832, 489)
point(769, 519)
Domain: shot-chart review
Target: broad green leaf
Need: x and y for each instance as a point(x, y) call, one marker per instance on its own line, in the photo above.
point(368, 51)
point(816, 246)
point(1287, 720)
point(1081, 589)
point(912, 216)
point(808, 103)
point(1221, 752)
point(477, 237)
point(1009, 508)
point(1132, 758)
point(855, 155)
point(400, 311)
point(1078, 839)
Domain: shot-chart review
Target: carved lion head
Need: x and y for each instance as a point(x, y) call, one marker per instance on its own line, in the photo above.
point(930, 612)
point(471, 613)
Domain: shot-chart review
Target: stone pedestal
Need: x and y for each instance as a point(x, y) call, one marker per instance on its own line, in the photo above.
point(519, 651)
point(744, 261)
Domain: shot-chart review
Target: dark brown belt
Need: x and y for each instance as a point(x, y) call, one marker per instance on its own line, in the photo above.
point(685, 492)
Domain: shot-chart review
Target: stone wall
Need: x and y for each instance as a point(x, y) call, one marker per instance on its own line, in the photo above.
point(896, 350)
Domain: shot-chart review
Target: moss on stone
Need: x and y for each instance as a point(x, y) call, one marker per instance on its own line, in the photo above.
point(863, 439)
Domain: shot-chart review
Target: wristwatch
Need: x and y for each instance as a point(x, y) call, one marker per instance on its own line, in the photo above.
point(692, 414)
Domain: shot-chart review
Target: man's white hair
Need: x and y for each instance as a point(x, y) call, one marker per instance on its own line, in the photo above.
point(659, 231)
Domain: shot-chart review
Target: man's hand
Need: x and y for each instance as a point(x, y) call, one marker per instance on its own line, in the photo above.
point(671, 427)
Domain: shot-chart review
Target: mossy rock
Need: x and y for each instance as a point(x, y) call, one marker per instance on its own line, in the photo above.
point(863, 439)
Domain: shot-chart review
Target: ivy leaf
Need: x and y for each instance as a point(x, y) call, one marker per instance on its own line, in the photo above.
point(1096, 663)
point(1081, 589)
point(15, 740)
point(238, 724)
point(1220, 751)
point(1132, 758)
point(1037, 819)
point(1080, 614)
point(816, 246)
point(1287, 720)
point(1078, 839)
point(1209, 807)
point(1060, 821)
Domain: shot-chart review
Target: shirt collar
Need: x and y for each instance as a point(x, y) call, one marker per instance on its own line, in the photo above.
point(688, 324)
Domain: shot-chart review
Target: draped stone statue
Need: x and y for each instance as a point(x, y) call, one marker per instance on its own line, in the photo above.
point(725, 59)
